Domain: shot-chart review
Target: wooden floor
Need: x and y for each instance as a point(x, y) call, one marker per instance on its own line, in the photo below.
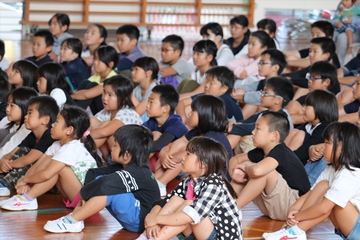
point(29, 224)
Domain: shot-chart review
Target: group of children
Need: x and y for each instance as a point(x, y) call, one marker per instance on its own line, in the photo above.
point(241, 121)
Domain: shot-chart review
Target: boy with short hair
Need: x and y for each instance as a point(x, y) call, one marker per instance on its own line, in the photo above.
point(127, 43)
point(270, 175)
point(42, 112)
point(300, 58)
point(272, 63)
point(219, 83)
point(173, 68)
point(277, 93)
point(43, 42)
point(321, 49)
point(128, 188)
point(163, 123)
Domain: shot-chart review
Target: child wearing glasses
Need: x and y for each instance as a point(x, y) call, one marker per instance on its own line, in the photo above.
point(277, 93)
point(272, 63)
point(322, 75)
point(173, 68)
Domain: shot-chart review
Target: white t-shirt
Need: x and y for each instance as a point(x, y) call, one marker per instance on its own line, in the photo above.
point(14, 141)
point(344, 186)
point(224, 55)
point(137, 92)
point(73, 154)
point(126, 115)
point(59, 96)
point(196, 76)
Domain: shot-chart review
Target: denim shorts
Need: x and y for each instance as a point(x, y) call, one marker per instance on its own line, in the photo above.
point(213, 236)
point(354, 234)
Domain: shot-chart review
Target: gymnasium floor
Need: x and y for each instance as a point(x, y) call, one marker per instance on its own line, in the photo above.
point(29, 224)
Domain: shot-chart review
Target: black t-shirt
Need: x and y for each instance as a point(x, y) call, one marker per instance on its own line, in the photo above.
point(290, 167)
point(44, 143)
point(236, 50)
point(352, 107)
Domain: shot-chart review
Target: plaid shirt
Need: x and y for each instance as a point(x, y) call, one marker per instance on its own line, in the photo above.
point(214, 200)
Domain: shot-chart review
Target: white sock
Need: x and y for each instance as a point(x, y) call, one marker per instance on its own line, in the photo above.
point(162, 188)
point(295, 230)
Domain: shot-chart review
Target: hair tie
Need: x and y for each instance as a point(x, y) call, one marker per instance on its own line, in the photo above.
point(86, 133)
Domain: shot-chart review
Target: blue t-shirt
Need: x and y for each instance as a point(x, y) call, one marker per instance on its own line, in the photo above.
point(45, 59)
point(126, 62)
point(233, 109)
point(217, 136)
point(352, 107)
point(76, 71)
point(173, 125)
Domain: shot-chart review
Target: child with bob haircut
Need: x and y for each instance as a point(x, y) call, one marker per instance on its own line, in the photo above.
point(207, 118)
point(22, 73)
point(127, 42)
point(59, 25)
point(320, 109)
point(41, 114)
point(118, 111)
point(75, 67)
point(335, 194)
point(52, 81)
point(145, 72)
point(127, 188)
point(173, 68)
point(16, 110)
point(202, 206)
point(89, 92)
point(271, 175)
point(64, 163)
point(219, 83)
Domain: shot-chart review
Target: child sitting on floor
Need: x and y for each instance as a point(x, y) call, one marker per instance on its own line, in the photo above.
point(202, 206)
point(127, 188)
point(64, 164)
point(270, 175)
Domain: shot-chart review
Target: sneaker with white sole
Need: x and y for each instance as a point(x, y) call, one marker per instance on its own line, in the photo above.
point(4, 192)
point(283, 234)
point(17, 203)
point(59, 226)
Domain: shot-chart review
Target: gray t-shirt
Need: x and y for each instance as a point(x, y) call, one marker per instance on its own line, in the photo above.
point(137, 92)
point(58, 41)
point(181, 67)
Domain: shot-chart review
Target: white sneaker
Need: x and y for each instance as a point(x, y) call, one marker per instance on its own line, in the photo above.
point(4, 192)
point(283, 234)
point(59, 226)
point(17, 203)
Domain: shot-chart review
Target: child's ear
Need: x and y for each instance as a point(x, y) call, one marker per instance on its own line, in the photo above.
point(326, 56)
point(45, 120)
point(178, 52)
point(166, 108)
point(134, 41)
point(148, 73)
point(100, 40)
point(64, 28)
point(127, 157)
point(276, 67)
point(209, 57)
point(49, 49)
point(327, 82)
point(275, 136)
point(111, 64)
point(70, 130)
point(224, 89)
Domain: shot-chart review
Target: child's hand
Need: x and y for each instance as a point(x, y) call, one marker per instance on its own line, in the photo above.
point(316, 152)
point(20, 182)
point(243, 74)
point(153, 232)
point(150, 220)
point(168, 162)
point(22, 189)
point(339, 24)
point(290, 221)
point(5, 165)
point(239, 176)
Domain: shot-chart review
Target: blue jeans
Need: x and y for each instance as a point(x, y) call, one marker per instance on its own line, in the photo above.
point(314, 169)
point(354, 234)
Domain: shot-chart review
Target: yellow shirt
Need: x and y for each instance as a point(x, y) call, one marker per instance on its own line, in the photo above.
point(96, 77)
